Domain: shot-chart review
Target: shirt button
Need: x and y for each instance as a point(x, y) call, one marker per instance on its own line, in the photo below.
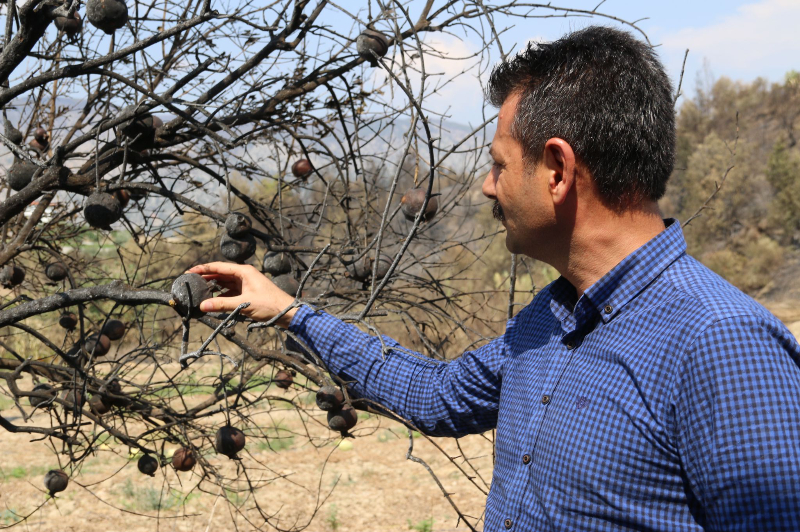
point(608, 309)
point(545, 399)
point(526, 459)
point(570, 345)
point(507, 523)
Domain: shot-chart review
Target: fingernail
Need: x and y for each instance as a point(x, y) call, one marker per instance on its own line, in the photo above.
point(206, 306)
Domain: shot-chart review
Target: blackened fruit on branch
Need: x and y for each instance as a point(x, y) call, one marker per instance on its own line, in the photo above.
point(11, 275)
point(13, 134)
point(56, 271)
point(237, 225)
point(70, 26)
point(20, 174)
point(68, 320)
point(101, 210)
point(371, 43)
point(343, 419)
point(45, 388)
point(361, 270)
point(237, 249)
point(107, 15)
point(183, 459)
point(56, 481)
point(329, 398)
point(283, 379)
point(99, 344)
point(41, 135)
point(287, 283)
point(74, 397)
point(148, 465)
point(123, 196)
point(188, 291)
point(115, 396)
point(412, 203)
point(229, 441)
point(114, 329)
point(99, 404)
point(276, 263)
point(302, 168)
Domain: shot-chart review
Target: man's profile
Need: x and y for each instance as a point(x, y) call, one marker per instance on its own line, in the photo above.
point(639, 391)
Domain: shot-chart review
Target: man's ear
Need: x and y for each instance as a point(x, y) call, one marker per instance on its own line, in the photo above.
point(559, 161)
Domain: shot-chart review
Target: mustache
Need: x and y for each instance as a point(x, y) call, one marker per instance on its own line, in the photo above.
point(497, 212)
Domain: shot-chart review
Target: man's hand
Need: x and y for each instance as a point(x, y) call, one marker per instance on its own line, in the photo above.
point(245, 283)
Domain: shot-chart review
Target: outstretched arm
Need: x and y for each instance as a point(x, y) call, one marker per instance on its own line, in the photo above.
point(440, 398)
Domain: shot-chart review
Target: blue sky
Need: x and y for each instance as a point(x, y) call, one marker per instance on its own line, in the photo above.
point(739, 39)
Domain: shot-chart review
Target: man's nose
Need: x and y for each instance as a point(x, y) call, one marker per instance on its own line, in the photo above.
point(488, 186)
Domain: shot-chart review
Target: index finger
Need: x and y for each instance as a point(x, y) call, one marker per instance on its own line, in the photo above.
point(221, 268)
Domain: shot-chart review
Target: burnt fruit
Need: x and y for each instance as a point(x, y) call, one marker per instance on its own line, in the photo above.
point(183, 459)
point(188, 291)
point(114, 394)
point(74, 397)
point(237, 225)
point(40, 140)
point(68, 320)
point(56, 481)
point(330, 398)
point(107, 15)
point(283, 379)
point(44, 388)
point(56, 271)
point(287, 283)
point(237, 249)
point(343, 419)
point(11, 275)
point(412, 203)
point(114, 329)
point(97, 345)
point(99, 404)
point(20, 174)
point(123, 196)
point(148, 465)
point(370, 44)
point(276, 263)
point(101, 210)
point(302, 168)
point(69, 25)
point(361, 270)
point(229, 441)
point(13, 134)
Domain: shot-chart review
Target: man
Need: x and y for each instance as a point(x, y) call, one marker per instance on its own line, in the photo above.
point(639, 391)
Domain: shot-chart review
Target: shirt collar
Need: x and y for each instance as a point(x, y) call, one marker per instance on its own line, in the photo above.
point(609, 295)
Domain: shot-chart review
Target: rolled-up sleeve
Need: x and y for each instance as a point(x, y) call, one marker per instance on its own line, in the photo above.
point(737, 414)
point(441, 398)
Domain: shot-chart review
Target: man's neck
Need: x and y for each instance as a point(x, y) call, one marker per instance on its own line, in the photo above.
point(600, 243)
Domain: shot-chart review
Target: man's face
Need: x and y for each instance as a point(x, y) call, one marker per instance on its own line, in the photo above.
point(522, 201)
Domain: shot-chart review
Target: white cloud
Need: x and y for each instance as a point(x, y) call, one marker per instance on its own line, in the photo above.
point(760, 39)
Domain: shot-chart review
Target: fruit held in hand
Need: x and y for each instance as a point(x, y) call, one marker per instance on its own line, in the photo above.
point(68, 320)
point(329, 398)
point(11, 275)
point(42, 387)
point(101, 210)
point(97, 344)
point(237, 249)
point(343, 419)
point(237, 225)
point(56, 481)
point(107, 15)
point(188, 291)
point(412, 203)
point(302, 168)
point(114, 329)
point(287, 283)
point(71, 26)
point(183, 459)
point(283, 379)
point(276, 263)
point(229, 441)
point(148, 465)
point(371, 43)
point(56, 271)
point(20, 174)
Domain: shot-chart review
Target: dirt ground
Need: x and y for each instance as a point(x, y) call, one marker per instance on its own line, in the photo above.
point(365, 484)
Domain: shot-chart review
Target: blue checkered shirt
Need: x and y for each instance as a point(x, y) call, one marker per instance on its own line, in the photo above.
point(663, 399)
